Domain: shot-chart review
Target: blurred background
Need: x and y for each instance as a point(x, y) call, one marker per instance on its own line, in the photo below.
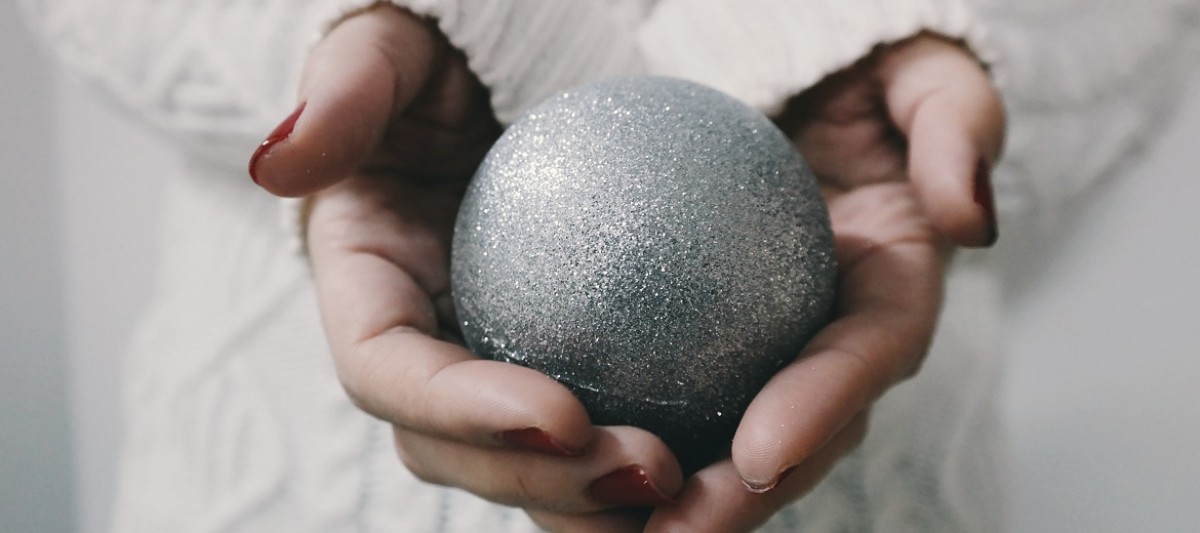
point(1101, 395)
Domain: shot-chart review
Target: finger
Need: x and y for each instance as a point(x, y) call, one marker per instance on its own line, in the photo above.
point(405, 376)
point(715, 500)
point(367, 68)
point(888, 304)
point(952, 116)
point(625, 466)
point(377, 308)
point(616, 521)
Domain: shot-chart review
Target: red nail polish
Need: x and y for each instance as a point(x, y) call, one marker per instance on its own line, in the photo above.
point(281, 132)
point(985, 199)
point(627, 487)
point(536, 440)
point(761, 489)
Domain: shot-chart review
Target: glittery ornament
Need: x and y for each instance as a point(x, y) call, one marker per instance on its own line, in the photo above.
point(656, 246)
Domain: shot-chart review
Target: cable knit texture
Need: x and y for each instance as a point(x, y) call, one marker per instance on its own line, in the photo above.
point(765, 51)
point(547, 50)
point(235, 418)
point(1088, 84)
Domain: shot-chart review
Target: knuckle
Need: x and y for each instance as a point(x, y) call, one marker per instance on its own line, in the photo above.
point(858, 434)
point(418, 468)
point(354, 388)
point(513, 491)
point(364, 375)
point(352, 392)
point(523, 489)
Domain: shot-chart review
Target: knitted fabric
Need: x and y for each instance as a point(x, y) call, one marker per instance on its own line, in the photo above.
point(235, 419)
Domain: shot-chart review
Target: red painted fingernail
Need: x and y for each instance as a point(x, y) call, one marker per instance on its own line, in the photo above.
point(627, 487)
point(281, 132)
point(986, 200)
point(536, 440)
point(760, 489)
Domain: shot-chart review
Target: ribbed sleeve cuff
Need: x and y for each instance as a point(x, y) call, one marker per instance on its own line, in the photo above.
point(765, 51)
point(525, 50)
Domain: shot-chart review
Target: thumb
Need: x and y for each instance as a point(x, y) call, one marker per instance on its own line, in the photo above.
point(949, 111)
point(367, 70)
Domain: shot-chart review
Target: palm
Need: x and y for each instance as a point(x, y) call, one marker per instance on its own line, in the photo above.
point(844, 129)
point(404, 124)
point(398, 230)
point(399, 207)
point(887, 247)
point(443, 134)
point(894, 142)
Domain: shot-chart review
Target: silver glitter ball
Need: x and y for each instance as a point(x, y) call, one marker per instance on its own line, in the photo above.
point(653, 244)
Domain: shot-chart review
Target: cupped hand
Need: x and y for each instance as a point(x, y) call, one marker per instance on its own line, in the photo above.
point(391, 127)
point(902, 143)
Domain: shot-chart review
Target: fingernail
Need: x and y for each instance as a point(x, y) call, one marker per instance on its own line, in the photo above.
point(281, 132)
point(767, 487)
point(627, 487)
point(986, 200)
point(536, 440)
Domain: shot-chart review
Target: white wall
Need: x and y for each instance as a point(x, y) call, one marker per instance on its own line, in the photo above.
point(77, 210)
point(35, 440)
point(1101, 396)
point(1104, 393)
point(109, 187)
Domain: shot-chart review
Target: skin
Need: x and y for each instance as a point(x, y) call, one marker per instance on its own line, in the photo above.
point(395, 123)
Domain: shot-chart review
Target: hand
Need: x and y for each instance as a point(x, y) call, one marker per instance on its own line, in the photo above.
point(393, 126)
point(902, 143)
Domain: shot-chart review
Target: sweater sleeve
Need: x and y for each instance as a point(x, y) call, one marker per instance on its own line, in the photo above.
point(525, 50)
point(1086, 86)
point(765, 51)
point(216, 76)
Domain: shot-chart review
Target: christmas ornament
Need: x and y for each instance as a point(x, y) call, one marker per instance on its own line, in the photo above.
point(656, 246)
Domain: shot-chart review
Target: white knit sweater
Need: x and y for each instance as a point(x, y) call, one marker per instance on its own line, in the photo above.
point(235, 419)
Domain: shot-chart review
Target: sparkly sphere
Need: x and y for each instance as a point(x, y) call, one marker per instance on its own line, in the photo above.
point(656, 246)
